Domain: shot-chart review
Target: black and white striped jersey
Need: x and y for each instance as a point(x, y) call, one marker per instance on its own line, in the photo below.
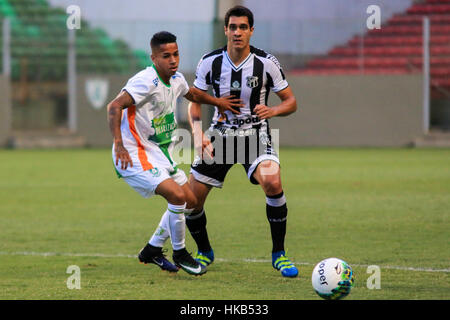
point(251, 81)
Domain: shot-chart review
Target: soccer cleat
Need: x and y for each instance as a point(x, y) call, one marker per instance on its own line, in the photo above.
point(185, 261)
point(281, 263)
point(204, 258)
point(150, 254)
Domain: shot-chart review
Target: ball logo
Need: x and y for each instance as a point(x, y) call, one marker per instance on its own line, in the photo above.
point(321, 272)
point(338, 268)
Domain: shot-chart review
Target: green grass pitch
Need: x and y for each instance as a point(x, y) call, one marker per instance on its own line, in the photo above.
point(384, 207)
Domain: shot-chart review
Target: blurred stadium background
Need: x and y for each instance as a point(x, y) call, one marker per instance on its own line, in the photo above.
point(355, 87)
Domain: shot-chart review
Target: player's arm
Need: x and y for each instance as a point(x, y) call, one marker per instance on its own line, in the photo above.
point(287, 106)
point(198, 94)
point(201, 143)
point(115, 107)
point(222, 103)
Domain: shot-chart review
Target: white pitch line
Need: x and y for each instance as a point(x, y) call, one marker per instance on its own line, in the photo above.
point(50, 254)
point(119, 255)
point(356, 265)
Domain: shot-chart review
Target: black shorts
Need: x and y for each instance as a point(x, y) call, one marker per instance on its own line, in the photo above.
point(248, 147)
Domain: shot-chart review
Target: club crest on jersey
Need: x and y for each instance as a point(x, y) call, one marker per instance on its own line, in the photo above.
point(264, 139)
point(236, 86)
point(155, 172)
point(252, 81)
point(197, 161)
point(155, 82)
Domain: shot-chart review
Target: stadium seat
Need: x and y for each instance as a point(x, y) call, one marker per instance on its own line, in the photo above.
point(388, 51)
point(397, 41)
point(396, 48)
point(438, 1)
point(39, 34)
point(410, 30)
point(430, 8)
point(417, 19)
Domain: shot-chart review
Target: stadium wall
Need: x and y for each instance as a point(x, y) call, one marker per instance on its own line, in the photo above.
point(344, 110)
point(5, 111)
point(353, 110)
point(92, 121)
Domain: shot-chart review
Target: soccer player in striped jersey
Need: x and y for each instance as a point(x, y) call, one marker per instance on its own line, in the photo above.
point(247, 73)
point(142, 122)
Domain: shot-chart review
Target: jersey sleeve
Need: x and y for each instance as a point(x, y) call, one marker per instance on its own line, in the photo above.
point(276, 74)
point(138, 88)
point(202, 75)
point(184, 86)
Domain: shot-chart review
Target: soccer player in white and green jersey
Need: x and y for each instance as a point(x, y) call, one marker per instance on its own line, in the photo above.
point(142, 122)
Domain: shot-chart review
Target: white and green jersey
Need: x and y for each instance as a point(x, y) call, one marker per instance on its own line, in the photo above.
point(147, 127)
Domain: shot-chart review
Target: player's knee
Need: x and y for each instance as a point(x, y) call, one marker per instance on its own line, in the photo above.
point(191, 201)
point(177, 197)
point(272, 186)
point(198, 207)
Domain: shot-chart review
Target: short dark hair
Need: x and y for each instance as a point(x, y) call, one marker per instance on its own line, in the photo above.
point(239, 11)
point(162, 37)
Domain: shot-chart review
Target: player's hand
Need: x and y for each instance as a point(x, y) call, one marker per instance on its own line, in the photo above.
point(207, 148)
point(122, 155)
point(263, 111)
point(204, 148)
point(229, 103)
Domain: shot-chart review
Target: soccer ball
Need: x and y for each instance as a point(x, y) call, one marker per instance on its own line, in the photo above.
point(332, 279)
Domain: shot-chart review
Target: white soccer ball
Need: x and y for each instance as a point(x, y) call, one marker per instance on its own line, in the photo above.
point(332, 279)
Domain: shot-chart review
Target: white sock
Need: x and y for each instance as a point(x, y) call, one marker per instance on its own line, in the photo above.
point(276, 202)
point(177, 225)
point(162, 232)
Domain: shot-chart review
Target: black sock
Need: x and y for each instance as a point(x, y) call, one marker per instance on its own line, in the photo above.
point(276, 210)
point(150, 251)
point(179, 252)
point(196, 223)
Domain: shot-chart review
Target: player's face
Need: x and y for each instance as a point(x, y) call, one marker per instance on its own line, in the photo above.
point(166, 59)
point(238, 33)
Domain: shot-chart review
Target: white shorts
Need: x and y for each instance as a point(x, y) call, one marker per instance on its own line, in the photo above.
point(146, 182)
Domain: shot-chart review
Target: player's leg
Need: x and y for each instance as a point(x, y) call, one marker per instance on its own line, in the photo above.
point(267, 174)
point(196, 222)
point(191, 199)
point(174, 220)
point(176, 204)
point(145, 184)
point(203, 177)
point(172, 223)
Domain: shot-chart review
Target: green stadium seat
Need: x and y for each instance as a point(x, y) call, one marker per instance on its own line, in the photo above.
point(6, 9)
point(39, 35)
